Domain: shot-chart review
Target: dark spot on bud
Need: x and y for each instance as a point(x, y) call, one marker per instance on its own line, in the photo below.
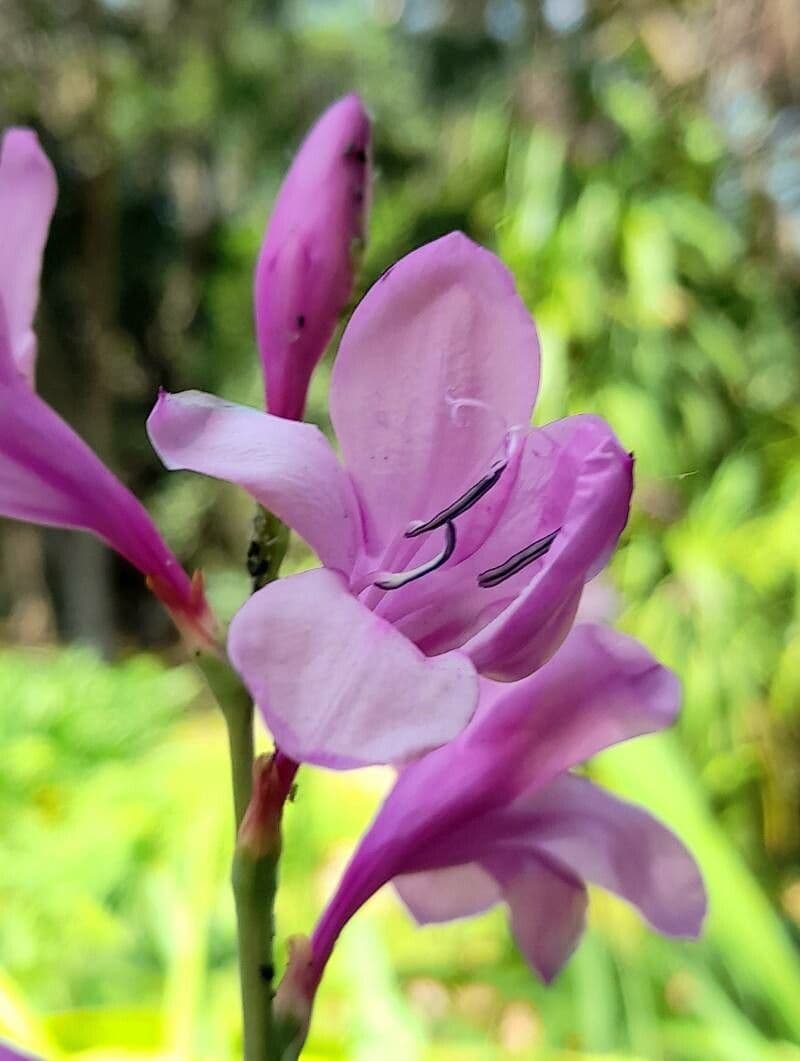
point(300, 320)
point(354, 153)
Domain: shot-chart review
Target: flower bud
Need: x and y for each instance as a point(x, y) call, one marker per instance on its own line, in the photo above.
point(305, 270)
point(260, 831)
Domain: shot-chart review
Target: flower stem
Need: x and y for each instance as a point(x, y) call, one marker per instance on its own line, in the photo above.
point(254, 872)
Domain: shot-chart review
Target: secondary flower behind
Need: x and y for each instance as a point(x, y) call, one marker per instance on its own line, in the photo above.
point(456, 539)
point(48, 474)
point(495, 816)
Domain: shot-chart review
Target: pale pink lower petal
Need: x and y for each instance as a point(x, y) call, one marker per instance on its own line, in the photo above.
point(287, 466)
point(618, 846)
point(337, 685)
point(443, 326)
point(547, 907)
point(448, 894)
point(27, 200)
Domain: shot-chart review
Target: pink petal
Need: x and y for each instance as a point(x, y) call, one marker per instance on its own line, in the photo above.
point(599, 689)
point(288, 467)
point(618, 846)
point(447, 894)
point(444, 324)
point(562, 481)
point(591, 506)
point(339, 687)
point(48, 475)
point(27, 199)
point(304, 274)
point(547, 911)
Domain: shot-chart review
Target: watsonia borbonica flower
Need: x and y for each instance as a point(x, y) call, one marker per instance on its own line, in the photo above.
point(497, 816)
point(455, 538)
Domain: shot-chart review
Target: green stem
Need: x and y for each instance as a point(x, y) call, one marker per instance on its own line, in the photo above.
point(254, 884)
point(253, 876)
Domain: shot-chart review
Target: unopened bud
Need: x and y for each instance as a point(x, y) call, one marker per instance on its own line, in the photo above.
point(305, 271)
point(260, 831)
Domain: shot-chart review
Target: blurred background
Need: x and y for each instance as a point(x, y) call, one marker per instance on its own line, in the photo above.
point(637, 165)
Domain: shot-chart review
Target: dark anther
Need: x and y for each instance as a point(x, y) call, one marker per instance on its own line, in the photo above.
point(466, 501)
point(256, 564)
point(403, 578)
point(495, 575)
point(300, 320)
point(266, 972)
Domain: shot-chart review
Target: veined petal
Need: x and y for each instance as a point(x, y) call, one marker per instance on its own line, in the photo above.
point(338, 686)
point(602, 687)
point(437, 362)
point(621, 847)
point(287, 466)
point(547, 908)
point(590, 506)
point(27, 199)
point(305, 269)
point(448, 894)
point(48, 475)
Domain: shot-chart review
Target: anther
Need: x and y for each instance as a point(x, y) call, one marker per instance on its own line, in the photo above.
point(461, 504)
point(402, 578)
point(495, 575)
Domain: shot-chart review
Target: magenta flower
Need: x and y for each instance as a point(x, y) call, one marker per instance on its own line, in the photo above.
point(496, 816)
point(48, 475)
point(305, 269)
point(456, 539)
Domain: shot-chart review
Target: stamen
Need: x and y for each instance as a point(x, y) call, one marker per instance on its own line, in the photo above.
point(402, 578)
point(462, 504)
point(495, 575)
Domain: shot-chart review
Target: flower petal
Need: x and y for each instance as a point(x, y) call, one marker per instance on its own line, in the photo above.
point(442, 326)
point(618, 846)
point(305, 269)
point(340, 687)
point(27, 199)
point(592, 507)
point(547, 907)
point(287, 466)
point(447, 894)
point(599, 689)
point(48, 475)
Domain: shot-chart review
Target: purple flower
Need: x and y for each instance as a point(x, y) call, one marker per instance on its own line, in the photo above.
point(48, 475)
point(496, 816)
point(456, 539)
point(305, 269)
